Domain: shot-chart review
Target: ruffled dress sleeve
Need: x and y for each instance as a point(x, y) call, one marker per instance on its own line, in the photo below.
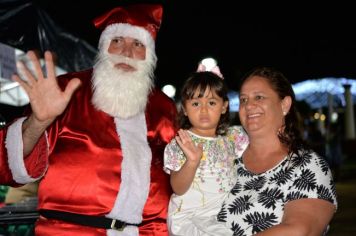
point(174, 157)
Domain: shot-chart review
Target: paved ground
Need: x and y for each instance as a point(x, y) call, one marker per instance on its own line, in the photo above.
point(344, 221)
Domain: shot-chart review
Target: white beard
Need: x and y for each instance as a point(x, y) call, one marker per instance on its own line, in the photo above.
point(119, 93)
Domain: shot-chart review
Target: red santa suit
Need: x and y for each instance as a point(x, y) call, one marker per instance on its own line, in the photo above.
point(95, 164)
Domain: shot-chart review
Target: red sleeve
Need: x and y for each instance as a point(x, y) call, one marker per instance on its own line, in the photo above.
point(35, 163)
point(5, 173)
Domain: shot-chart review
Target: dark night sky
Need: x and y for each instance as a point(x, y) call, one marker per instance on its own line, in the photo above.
point(301, 41)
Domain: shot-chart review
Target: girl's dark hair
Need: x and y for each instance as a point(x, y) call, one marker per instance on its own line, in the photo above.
point(291, 135)
point(202, 81)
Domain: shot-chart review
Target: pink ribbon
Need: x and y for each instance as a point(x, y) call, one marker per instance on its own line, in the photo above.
point(215, 70)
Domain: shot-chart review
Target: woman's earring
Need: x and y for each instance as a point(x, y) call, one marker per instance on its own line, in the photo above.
point(223, 111)
point(284, 113)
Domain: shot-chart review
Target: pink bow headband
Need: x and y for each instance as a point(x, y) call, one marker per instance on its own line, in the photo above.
point(215, 70)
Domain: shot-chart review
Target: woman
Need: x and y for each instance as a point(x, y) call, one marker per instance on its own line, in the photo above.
point(283, 187)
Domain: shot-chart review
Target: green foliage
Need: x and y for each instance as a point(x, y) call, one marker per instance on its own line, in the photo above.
point(3, 191)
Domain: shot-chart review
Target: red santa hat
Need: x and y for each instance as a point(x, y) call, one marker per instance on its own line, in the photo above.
point(140, 21)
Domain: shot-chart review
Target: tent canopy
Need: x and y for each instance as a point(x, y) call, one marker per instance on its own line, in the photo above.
point(11, 92)
point(317, 92)
point(25, 26)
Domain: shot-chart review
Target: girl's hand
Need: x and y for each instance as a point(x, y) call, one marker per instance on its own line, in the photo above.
point(192, 152)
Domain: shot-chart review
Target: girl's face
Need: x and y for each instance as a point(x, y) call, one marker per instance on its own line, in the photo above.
point(204, 112)
point(261, 110)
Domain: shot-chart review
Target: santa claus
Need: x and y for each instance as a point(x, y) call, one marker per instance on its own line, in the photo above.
point(95, 138)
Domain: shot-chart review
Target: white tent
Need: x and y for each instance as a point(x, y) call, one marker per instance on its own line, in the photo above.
point(11, 92)
point(316, 91)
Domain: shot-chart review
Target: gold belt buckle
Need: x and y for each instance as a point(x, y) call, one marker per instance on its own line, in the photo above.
point(121, 228)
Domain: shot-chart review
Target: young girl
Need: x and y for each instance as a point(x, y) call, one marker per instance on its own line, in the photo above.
point(200, 159)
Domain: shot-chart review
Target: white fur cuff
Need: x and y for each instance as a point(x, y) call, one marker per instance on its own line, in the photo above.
point(14, 146)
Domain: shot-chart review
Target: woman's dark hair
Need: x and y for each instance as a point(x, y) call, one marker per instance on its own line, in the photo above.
point(291, 135)
point(202, 81)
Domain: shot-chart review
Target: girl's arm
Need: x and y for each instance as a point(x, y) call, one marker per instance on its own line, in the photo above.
point(182, 179)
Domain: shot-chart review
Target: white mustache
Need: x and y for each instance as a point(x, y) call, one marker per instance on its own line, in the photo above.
point(117, 59)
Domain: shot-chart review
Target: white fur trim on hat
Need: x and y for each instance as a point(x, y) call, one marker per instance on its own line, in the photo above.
point(125, 30)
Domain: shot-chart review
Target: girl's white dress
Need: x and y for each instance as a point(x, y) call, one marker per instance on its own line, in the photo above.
point(214, 178)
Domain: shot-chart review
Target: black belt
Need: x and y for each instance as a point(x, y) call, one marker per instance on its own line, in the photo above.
point(86, 220)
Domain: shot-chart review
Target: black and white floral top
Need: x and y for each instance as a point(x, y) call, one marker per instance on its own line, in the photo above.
point(257, 201)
